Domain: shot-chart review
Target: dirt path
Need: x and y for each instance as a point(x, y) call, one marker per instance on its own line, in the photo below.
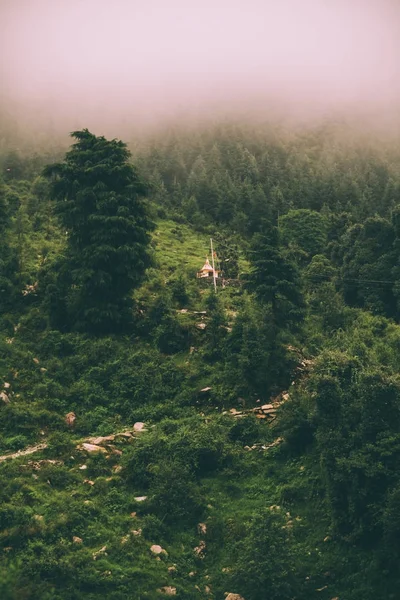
point(30, 450)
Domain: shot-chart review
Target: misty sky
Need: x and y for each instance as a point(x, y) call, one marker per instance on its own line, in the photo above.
point(150, 57)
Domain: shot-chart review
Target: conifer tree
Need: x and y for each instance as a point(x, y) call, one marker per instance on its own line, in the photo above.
point(275, 280)
point(97, 195)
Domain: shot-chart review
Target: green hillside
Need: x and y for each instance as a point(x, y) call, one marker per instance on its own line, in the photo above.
point(158, 439)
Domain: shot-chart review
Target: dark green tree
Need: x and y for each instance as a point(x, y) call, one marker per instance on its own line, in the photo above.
point(275, 280)
point(98, 199)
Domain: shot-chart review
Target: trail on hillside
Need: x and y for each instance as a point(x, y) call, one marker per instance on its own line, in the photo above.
point(29, 450)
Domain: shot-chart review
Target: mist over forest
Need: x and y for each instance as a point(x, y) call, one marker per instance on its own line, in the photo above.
point(113, 66)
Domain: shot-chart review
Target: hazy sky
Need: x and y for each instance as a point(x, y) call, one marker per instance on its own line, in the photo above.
point(115, 58)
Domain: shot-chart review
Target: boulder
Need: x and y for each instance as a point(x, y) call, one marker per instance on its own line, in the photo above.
point(234, 597)
point(138, 427)
point(91, 448)
point(156, 549)
point(77, 540)
point(4, 398)
point(70, 419)
point(168, 590)
point(101, 439)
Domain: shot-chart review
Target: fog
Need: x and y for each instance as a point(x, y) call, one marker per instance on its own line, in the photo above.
point(112, 64)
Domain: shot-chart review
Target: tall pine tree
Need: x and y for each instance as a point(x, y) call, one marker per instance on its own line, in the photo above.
point(98, 198)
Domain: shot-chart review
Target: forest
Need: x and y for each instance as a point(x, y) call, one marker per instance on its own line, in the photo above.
point(161, 437)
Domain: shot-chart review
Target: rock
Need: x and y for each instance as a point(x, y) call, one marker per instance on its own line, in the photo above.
point(77, 540)
point(101, 439)
point(117, 468)
point(327, 538)
point(199, 550)
point(38, 517)
point(233, 597)
point(125, 434)
point(91, 447)
point(133, 515)
point(206, 389)
point(192, 573)
point(168, 590)
point(36, 361)
point(89, 481)
point(125, 539)
point(138, 427)
point(83, 467)
point(140, 498)
point(7, 385)
point(43, 370)
point(70, 419)
point(172, 569)
point(156, 549)
point(202, 528)
point(201, 325)
point(4, 397)
point(136, 532)
point(100, 552)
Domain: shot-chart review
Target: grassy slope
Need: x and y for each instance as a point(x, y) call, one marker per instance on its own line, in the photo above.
point(42, 508)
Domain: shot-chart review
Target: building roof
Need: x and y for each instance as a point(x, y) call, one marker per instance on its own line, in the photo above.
point(207, 266)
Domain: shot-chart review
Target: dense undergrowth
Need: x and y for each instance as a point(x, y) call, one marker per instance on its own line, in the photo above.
point(316, 516)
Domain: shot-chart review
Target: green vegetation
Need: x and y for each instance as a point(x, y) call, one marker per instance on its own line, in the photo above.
point(264, 457)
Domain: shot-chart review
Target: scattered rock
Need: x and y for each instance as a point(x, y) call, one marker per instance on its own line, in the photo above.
point(192, 574)
point(89, 481)
point(7, 385)
point(43, 370)
point(168, 590)
point(90, 447)
point(101, 552)
point(36, 361)
point(77, 540)
point(201, 325)
point(233, 596)
point(156, 549)
point(140, 498)
point(125, 539)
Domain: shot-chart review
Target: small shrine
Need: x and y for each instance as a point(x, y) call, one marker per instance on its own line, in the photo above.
point(207, 271)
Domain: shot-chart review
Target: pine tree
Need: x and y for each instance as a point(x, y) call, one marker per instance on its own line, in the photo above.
point(97, 195)
point(275, 280)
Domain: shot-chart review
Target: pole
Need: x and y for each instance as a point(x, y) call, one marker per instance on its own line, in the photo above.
point(213, 266)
